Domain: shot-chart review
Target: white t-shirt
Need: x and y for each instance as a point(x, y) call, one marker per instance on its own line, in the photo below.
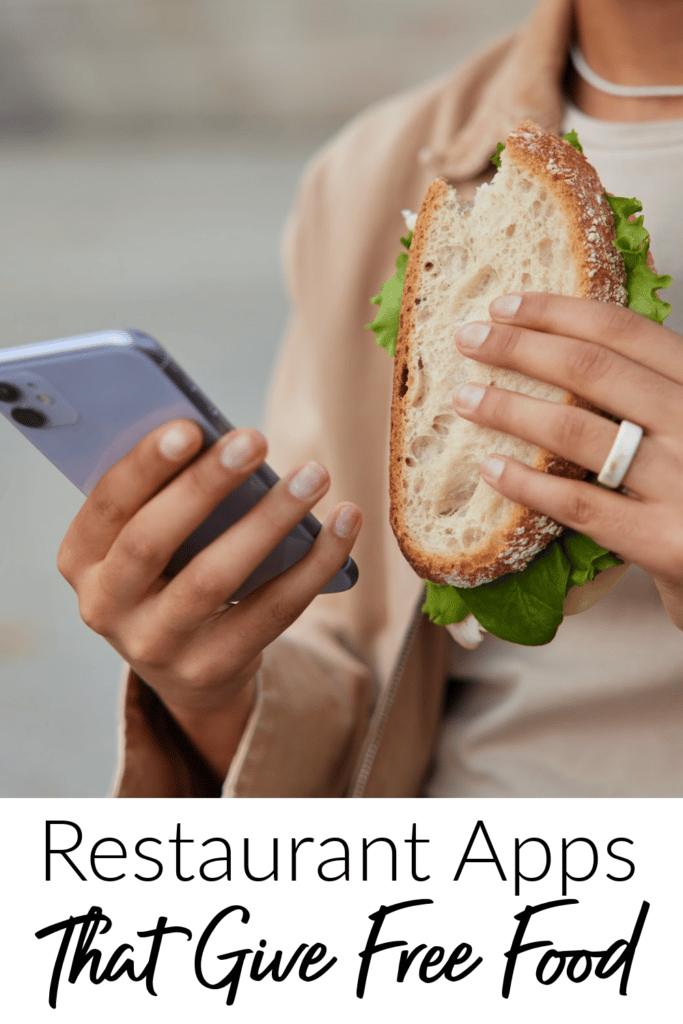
point(599, 711)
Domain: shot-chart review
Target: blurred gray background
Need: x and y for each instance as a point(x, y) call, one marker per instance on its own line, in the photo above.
point(149, 152)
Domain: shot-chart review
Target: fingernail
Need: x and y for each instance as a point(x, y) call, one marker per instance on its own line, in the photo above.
point(174, 443)
point(468, 396)
point(237, 450)
point(474, 334)
point(492, 467)
point(506, 305)
point(307, 481)
point(346, 521)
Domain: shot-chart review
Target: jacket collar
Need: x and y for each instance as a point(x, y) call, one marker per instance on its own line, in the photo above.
point(526, 84)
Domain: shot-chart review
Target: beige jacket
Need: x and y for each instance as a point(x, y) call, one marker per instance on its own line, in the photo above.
point(349, 699)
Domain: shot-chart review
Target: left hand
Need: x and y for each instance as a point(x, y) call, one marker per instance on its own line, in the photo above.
point(627, 366)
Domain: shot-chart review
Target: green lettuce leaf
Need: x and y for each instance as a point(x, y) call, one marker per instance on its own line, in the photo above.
point(495, 157)
point(586, 558)
point(523, 607)
point(526, 607)
point(633, 242)
point(443, 604)
point(385, 324)
point(573, 139)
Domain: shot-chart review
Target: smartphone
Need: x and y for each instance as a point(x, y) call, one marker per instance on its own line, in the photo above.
point(85, 401)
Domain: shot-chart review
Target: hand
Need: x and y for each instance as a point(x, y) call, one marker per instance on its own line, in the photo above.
point(178, 635)
point(623, 364)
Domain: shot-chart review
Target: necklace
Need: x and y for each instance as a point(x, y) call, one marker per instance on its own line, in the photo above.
point(579, 62)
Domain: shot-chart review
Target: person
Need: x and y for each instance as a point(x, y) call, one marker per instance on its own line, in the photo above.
point(293, 694)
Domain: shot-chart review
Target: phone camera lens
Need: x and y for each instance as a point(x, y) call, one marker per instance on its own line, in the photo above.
point(8, 392)
point(29, 417)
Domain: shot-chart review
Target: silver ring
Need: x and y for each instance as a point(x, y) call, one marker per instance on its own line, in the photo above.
point(621, 454)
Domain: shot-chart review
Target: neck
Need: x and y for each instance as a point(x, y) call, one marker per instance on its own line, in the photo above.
point(629, 42)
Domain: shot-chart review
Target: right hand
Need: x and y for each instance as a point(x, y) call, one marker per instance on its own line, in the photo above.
point(177, 634)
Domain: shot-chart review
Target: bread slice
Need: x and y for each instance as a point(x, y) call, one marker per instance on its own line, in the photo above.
point(542, 224)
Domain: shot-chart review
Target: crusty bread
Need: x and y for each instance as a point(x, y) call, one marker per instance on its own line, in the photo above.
point(542, 224)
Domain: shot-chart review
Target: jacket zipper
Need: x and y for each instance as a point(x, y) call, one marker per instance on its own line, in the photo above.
point(370, 754)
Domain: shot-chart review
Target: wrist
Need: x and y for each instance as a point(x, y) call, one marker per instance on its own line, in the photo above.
point(216, 732)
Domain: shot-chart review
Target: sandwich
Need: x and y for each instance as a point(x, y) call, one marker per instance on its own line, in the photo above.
point(544, 223)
